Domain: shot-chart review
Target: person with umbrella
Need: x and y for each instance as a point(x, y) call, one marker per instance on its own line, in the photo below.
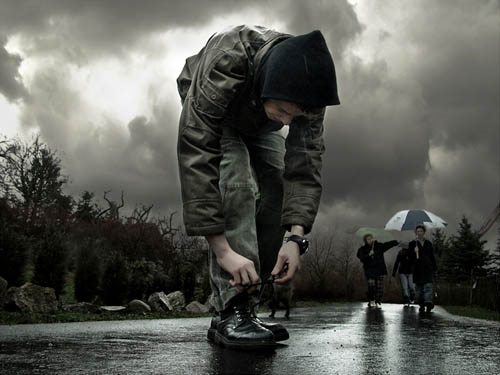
point(405, 262)
point(371, 254)
point(425, 267)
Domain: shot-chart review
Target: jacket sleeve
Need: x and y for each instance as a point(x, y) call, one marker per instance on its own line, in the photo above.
point(363, 256)
point(216, 82)
point(302, 176)
point(388, 245)
point(396, 265)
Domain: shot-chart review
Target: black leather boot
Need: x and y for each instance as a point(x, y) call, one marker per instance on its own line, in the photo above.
point(237, 329)
point(279, 331)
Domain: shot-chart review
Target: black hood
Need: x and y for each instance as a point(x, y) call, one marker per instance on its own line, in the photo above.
point(299, 69)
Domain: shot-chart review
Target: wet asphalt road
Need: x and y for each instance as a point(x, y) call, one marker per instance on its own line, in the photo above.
point(332, 339)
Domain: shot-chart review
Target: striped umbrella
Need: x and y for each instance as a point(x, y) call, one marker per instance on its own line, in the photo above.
point(409, 219)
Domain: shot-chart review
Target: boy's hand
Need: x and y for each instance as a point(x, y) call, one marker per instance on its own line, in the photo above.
point(288, 254)
point(241, 269)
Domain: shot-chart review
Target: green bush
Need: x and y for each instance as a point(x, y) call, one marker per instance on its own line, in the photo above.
point(50, 261)
point(115, 280)
point(88, 272)
point(146, 277)
point(14, 247)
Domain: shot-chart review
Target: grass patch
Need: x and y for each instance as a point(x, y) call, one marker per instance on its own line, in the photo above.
point(474, 312)
point(11, 318)
point(68, 293)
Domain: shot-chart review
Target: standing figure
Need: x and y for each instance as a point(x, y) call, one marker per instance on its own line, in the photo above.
point(243, 183)
point(371, 254)
point(425, 267)
point(404, 263)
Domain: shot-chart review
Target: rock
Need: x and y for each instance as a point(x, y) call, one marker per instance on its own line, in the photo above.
point(158, 302)
point(176, 301)
point(31, 298)
point(113, 309)
point(196, 307)
point(209, 305)
point(137, 306)
point(3, 291)
point(81, 307)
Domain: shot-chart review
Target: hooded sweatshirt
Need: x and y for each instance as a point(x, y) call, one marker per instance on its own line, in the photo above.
point(300, 70)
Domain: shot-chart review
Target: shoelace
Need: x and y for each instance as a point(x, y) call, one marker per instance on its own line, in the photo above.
point(260, 300)
point(242, 313)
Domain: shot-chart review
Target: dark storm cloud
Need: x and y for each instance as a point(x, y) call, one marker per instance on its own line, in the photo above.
point(141, 163)
point(416, 128)
point(336, 19)
point(86, 27)
point(10, 84)
point(445, 107)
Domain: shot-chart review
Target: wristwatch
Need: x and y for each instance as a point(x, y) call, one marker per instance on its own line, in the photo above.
point(301, 241)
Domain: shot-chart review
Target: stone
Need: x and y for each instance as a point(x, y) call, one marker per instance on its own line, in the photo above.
point(209, 305)
point(112, 309)
point(137, 306)
point(3, 291)
point(158, 302)
point(176, 301)
point(197, 307)
point(31, 298)
point(81, 307)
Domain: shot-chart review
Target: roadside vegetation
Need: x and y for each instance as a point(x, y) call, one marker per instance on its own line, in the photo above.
point(99, 248)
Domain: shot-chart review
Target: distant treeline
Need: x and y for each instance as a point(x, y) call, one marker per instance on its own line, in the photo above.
point(46, 234)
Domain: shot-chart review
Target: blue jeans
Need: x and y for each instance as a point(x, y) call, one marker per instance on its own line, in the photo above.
point(425, 294)
point(407, 287)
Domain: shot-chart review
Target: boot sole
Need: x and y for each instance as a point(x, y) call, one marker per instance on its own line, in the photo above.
point(279, 337)
point(259, 345)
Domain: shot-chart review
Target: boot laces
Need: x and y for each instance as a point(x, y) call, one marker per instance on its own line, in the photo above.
point(243, 312)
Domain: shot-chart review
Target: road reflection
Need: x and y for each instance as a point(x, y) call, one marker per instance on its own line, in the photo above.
point(227, 361)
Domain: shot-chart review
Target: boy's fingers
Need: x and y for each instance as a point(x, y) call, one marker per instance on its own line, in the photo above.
point(236, 279)
point(244, 277)
point(288, 275)
point(236, 286)
point(279, 265)
point(254, 278)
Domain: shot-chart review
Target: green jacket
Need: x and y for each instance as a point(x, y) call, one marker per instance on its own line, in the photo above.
point(217, 89)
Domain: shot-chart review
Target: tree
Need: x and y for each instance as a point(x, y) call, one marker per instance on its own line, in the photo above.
point(441, 247)
point(88, 272)
point(115, 280)
point(466, 256)
point(14, 246)
point(32, 177)
point(318, 262)
point(439, 242)
point(86, 209)
point(50, 261)
point(494, 260)
point(348, 266)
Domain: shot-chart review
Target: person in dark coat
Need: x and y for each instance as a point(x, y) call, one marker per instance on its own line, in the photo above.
point(371, 254)
point(405, 261)
point(425, 267)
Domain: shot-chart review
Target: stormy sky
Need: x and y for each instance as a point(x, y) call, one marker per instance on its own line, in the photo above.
point(418, 80)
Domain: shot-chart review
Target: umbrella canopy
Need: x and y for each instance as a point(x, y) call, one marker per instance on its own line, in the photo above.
point(409, 219)
point(378, 233)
